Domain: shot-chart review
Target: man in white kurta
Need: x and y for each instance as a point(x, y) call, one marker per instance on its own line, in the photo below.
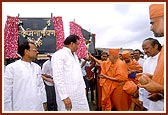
point(149, 67)
point(23, 85)
point(68, 79)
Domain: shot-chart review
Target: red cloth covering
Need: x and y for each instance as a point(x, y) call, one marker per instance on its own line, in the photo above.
point(76, 29)
point(59, 30)
point(11, 37)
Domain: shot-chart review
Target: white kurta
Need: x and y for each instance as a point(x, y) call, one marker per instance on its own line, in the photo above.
point(68, 80)
point(149, 67)
point(23, 87)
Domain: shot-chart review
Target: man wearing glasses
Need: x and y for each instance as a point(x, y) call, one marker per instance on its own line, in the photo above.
point(24, 89)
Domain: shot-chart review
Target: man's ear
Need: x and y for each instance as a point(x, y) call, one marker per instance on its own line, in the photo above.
point(71, 43)
point(26, 51)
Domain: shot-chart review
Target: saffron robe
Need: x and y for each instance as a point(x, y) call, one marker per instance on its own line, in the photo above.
point(158, 75)
point(134, 65)
point(112, 92)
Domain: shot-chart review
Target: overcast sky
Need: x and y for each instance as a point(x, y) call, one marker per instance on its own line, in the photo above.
point(116, 24)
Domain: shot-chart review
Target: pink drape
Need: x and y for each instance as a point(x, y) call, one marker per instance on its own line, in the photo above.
point(76, 29)
point(11, 37)
point(59, 30)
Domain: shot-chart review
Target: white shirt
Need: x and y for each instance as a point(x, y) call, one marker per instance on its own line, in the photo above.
point(149, 67)
point(47, 69)
point(23, 87)
point(68, 80)
point(83, 68)
point(141, 61)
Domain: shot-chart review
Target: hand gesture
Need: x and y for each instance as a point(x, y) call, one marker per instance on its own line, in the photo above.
point(68, 104)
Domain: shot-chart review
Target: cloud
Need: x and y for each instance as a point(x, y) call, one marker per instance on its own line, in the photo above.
point(121, 24)
point(122, 8)
point(129, 26)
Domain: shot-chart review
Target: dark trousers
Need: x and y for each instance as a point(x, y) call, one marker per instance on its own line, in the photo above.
point(89, 84)
point(51, 98)
point(145, 109)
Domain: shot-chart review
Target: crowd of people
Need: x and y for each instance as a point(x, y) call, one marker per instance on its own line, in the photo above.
point(123, 82)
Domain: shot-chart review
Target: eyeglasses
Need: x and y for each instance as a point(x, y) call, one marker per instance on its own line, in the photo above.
point(36, 50)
